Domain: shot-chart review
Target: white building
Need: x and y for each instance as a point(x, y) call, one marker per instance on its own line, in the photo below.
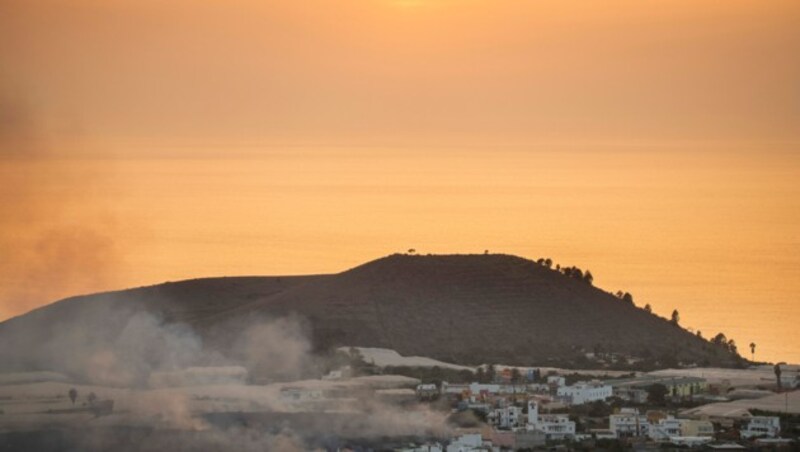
point(585, 392)
point(680, 431)
point(554, 426)
point(762, 426)
point(628, 423)
point(506, 418)
point(665, 429)
point(424, 448)
point(556, 380)
point(471, 442)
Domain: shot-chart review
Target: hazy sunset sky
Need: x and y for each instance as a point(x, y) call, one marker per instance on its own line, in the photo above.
point(656, 143)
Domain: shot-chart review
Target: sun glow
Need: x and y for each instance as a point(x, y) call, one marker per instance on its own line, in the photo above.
point(142, 141)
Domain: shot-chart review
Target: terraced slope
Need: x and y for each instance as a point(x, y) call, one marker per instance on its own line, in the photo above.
point(466, 309)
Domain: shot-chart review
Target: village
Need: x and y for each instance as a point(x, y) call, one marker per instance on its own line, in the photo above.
point(507, 408)
point(377, 400)
point(530, 411)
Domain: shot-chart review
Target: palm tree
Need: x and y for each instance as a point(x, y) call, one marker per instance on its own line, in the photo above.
point(752, 351)
point(732, 346)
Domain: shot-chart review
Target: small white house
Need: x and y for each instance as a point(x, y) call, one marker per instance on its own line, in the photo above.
point(685, 432)
point(762, 426)
point(665, 429)
point(424, 448)
point(471, 442)
point(554, 426)
point(628, 423)
point(507, 417)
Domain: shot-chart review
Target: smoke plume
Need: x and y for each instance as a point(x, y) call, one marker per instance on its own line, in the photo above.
point(53, 242)
point(185, 393)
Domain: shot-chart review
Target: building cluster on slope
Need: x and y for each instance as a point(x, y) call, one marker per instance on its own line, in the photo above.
point(555, 391)
point(538, 430)
point(636, 389)
point(658, 426)
point(520, 416)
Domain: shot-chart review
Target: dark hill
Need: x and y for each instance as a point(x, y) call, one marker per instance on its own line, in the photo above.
point(467, 309)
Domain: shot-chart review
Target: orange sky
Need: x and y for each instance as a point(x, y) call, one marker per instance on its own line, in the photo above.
point(653, 142)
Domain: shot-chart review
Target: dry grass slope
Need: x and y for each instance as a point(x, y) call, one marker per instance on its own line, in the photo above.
point(467, 309)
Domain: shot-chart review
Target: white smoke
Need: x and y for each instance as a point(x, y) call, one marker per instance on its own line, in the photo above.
point(162, 375)
point(276, 350)
point(144, 345)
